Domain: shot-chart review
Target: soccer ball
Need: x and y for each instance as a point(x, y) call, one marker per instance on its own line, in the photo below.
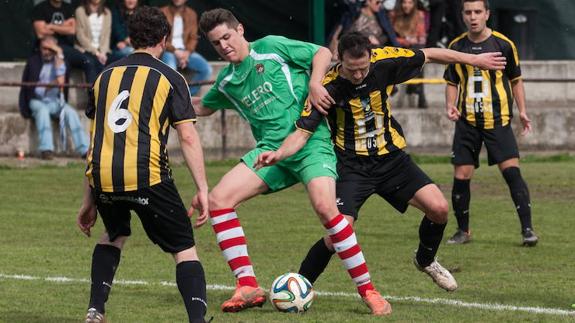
point(291, 293)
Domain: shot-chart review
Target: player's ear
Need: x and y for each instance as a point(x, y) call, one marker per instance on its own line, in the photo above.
point(240, 29)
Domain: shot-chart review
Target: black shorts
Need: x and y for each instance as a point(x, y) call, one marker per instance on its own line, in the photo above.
point(500, 143)
point(395, 177)
point(159, 207)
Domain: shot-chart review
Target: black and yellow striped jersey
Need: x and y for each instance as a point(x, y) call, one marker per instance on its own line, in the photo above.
point(485, 98)
point(132, 104)
point(361, 122)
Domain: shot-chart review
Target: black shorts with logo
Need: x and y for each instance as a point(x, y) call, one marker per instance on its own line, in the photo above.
point(394, 177)
point(499, 142)
point(159, 207)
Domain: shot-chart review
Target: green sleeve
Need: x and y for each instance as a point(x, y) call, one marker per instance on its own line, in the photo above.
point(215, 99)
point(295, 52)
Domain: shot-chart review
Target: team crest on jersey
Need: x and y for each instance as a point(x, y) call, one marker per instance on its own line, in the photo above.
point(260, 68)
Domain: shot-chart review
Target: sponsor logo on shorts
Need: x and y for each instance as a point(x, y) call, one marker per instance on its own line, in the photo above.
point(338, 201)
point(328, 166)
point(106, 199)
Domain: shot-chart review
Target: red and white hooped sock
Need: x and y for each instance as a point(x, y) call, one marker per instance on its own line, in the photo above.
point(232, 242)
point(345, 244)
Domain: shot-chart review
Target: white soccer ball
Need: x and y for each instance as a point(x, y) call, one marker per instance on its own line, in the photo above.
point(291, 293)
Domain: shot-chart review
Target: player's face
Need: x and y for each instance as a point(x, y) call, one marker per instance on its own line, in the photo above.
point(355, 69)
point(229, 42)
point(475, 16)
point(178, 3)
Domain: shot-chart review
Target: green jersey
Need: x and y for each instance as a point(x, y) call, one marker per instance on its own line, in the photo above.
point(268, 89)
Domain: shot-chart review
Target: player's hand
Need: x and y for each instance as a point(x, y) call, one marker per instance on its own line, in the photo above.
point(267, 158)
point(526, 122)
point(490, 61)
point(86, 218)
point(452, 113)
point(319, 98)
point(200, 203)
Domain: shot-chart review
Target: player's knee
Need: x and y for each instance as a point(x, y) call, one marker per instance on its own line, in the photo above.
point(438, 211)
point(189, 254)
point(216, 201)
point(325, 210)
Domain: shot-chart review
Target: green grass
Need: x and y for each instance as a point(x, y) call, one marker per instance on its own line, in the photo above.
point(38, 237)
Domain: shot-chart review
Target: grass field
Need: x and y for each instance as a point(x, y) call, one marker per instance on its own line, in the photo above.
point(45, 260)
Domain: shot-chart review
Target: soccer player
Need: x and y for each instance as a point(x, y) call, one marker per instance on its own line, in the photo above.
point(369, 144)
point(267, 82)
point(132, 105)
point(481, 104)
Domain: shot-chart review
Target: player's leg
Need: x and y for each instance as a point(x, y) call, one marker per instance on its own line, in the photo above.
point(353, 187)
point(106, 255)
point(467, 143)
point(238, 185)
point(321, 191)
point(502, 150)
point(430, 200)
point(166, 222)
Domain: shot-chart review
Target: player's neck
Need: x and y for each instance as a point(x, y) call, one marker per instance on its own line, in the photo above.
point(480, 36)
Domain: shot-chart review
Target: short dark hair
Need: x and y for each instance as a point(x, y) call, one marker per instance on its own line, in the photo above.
point(485, 3)
point(354, 44)
point(147, 27)
point(213, 18)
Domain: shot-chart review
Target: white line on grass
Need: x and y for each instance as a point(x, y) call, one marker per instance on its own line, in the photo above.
point(413, 299)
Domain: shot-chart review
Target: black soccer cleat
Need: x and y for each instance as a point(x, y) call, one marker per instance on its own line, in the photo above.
point(530, 239)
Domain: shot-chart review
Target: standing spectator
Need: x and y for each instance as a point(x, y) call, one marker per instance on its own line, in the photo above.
point(128, 168)
point(181, 48)
point(93, 33)
point(409, 25)
point(120, 43)
point(44, 103)
point(56, 18)
point(368, 17)
point(481, 104)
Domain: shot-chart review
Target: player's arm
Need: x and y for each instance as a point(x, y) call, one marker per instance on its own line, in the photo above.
point(450, 102)
point(194, 157)
point(199, 107)
point(291, 145)
point(318, 95)
point(519, 93)
point(485, 61)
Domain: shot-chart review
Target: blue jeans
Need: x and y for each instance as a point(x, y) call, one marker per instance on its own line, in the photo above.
point(120, 53)
point(43, 111)
point(201, 68)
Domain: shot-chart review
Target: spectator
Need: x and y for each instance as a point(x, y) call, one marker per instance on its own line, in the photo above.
point(121, 45)
point(56, 18)
point(409, 25)
point(42, 103)
point(93, 34)
point(181, 47)
point(368, 17)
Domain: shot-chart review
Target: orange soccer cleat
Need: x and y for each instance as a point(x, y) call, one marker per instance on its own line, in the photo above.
point(244, 297)
point(378, 305)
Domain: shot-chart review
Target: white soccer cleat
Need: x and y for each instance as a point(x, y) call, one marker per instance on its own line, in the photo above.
point(441, 276)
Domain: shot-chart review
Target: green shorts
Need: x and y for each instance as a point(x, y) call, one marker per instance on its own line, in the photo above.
point(315, 159)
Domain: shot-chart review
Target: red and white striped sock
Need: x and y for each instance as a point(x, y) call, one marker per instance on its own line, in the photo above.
point(232, 242)
point(345, 244)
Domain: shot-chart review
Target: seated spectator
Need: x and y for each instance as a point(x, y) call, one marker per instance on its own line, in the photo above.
point(93, 30)
point(181, 47)
point(56, 18)
point(121, 45)
point(409, 25)
point(369, 18)
point(44, 103)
